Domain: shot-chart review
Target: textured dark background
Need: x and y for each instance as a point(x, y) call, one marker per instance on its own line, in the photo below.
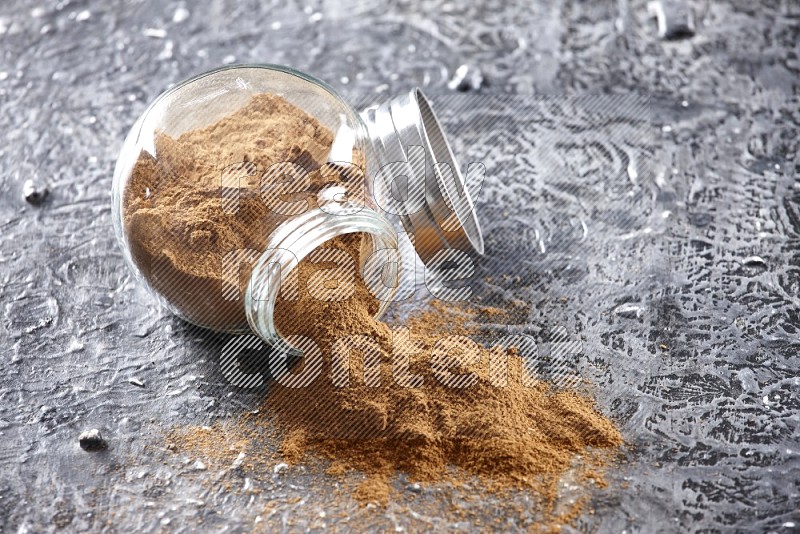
point(670, 245)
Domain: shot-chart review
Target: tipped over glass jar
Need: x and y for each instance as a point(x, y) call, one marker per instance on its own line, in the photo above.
point(230, 179)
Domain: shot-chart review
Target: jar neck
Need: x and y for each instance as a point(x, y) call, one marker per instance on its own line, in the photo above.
point(296, 238)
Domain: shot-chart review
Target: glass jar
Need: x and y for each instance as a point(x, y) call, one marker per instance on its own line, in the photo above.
point(257, 166)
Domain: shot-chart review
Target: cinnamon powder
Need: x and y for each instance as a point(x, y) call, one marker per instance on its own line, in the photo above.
point(516, 435)
point(175, 220)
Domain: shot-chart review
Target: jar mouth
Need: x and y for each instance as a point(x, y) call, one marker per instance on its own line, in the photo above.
point(294, 240)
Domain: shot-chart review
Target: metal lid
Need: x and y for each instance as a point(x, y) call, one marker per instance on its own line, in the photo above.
point(418, 178)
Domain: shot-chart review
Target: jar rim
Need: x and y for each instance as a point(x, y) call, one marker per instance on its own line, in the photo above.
point(293, 241)
point(265, 66)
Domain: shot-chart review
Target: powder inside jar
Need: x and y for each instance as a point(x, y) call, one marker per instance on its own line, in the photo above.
point(208, 193)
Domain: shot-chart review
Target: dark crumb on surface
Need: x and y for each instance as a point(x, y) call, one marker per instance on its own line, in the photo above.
point(34, 192)
point(136, 382)
point(91, 441)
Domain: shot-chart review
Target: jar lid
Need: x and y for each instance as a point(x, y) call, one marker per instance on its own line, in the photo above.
point(419, 179)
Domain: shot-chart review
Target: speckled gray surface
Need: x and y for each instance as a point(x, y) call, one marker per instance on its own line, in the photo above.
point(681, 278)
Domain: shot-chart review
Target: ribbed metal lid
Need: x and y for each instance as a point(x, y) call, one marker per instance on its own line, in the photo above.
point(419, 179)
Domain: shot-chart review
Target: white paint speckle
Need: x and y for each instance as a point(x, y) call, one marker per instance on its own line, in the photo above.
point(181, 14)
point(155, 33)
point(238, 461)
point(279, 468)
point(83, 15)
point(633, 174)
point(167, 52)
point(75, 345)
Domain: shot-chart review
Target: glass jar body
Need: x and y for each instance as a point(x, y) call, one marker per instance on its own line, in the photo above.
point(236, 171)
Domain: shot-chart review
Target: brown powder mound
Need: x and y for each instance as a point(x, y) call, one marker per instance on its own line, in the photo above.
point(511, 435)
point(524, 436)
point(174, 215)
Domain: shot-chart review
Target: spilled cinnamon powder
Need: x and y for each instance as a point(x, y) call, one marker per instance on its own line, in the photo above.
point(422, 398)
point(522, 434)
point(452, 413)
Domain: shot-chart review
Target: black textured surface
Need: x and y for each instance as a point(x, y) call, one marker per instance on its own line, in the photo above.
point(681, 276)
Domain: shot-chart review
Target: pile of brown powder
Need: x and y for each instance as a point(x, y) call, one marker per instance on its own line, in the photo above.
point(512, 436)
